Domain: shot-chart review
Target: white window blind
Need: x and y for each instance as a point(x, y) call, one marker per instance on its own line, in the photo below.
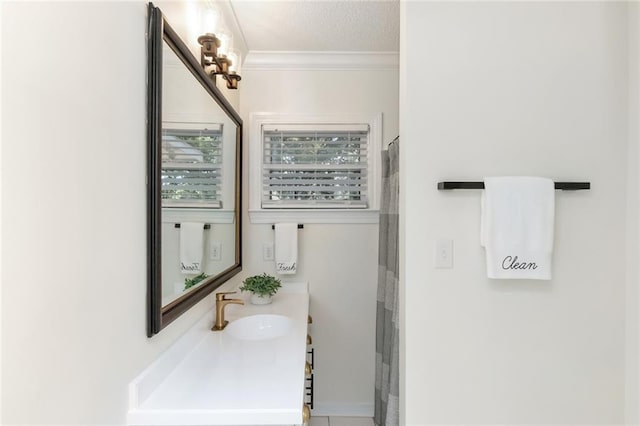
point(192, 167)
point(315, 166)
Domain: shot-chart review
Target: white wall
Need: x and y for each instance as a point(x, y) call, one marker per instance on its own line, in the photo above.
point(1, 221)
point(632, 403)
point(528, 89)
point(338, 261)
point(74, 212)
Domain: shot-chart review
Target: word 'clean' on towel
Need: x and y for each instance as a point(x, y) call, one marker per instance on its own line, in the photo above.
point(516, 227)
point(286, 242)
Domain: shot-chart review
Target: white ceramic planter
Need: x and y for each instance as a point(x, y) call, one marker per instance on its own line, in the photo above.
point(257, 299)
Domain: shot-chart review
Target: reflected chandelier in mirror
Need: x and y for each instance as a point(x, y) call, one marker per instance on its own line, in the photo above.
point(194, 179)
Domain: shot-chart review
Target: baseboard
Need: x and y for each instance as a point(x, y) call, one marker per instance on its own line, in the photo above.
point(342, 410)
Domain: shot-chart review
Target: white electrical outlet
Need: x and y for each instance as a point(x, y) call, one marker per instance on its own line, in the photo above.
point(267, 251)
point(215, 252)
point(443, 254)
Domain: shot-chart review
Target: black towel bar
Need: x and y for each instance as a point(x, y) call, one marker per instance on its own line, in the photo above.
point(564, 186)
point(300, 226)
point(206, 226)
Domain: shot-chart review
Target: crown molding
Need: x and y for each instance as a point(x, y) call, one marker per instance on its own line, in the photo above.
point(312, 61)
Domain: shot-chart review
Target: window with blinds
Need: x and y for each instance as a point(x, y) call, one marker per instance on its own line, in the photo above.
point(192, 167)
point(315, 166)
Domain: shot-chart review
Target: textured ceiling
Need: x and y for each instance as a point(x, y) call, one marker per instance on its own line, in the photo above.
point(319, 25)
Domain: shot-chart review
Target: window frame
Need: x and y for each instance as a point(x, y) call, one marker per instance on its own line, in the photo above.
point(257, 214)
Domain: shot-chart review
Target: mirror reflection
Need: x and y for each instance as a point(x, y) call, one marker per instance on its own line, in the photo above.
point(197, 181)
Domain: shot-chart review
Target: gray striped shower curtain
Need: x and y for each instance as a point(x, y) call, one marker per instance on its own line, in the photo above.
point(387, 410)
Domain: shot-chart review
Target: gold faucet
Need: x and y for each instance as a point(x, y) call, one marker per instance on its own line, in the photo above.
point(221, 302)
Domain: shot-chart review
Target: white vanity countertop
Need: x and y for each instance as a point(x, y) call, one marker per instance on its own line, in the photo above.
point(211, 378)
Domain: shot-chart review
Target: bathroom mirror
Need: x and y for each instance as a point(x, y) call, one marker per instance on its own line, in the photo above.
point(194, 179)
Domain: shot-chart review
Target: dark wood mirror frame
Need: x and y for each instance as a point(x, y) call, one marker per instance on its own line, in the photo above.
point(158, 316)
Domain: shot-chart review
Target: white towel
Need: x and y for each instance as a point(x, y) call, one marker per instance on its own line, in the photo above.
point(191, 246)
point(516, 227)
point(286, 240)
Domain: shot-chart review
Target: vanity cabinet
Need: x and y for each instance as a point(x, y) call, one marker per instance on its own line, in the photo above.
point(309, 372)
point(215, 378)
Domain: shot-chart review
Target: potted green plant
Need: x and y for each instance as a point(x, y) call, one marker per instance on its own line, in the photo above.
point(263, 288)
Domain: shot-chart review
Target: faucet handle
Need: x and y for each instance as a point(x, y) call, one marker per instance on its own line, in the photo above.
point(220, 296)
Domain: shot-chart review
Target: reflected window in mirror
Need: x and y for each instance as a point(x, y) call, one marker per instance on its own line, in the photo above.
point(191, 165)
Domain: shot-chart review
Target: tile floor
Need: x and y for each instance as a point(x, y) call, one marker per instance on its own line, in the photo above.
point(341, 421)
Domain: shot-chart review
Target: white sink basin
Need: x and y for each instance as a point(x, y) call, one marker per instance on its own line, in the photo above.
point(259, 327)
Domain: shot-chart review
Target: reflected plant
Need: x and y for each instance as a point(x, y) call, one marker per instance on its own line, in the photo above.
point(190, 282)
